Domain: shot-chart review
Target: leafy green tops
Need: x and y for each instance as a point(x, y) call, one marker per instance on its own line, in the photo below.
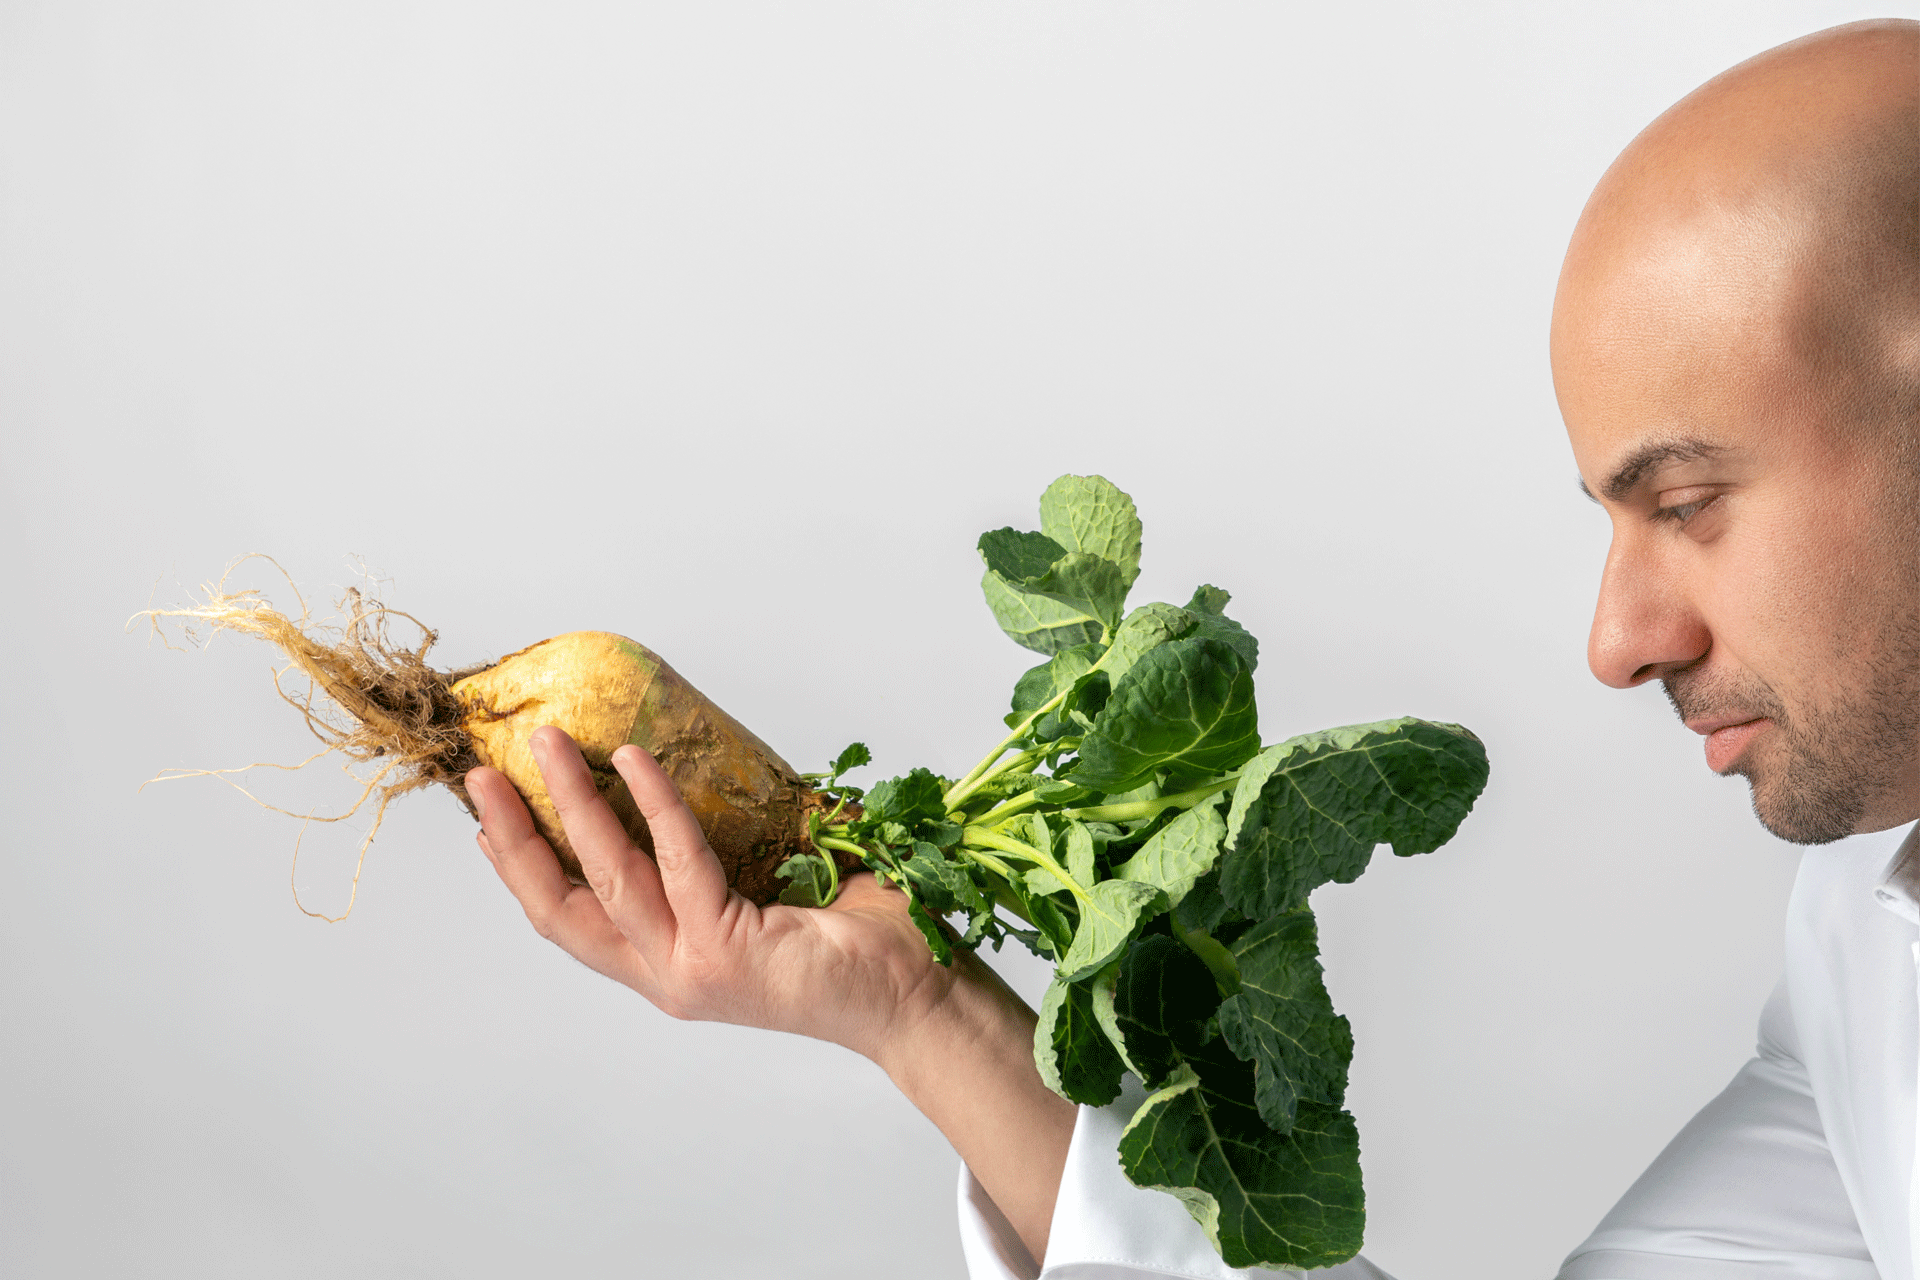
point(1131, 828)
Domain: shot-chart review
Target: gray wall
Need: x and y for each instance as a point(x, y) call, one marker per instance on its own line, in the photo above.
point(729, 326)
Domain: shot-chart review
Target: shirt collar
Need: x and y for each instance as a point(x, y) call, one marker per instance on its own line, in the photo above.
point(1899, 887)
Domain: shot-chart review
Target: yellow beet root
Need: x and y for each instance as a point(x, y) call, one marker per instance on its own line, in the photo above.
point(383, 707)
point(606, 691)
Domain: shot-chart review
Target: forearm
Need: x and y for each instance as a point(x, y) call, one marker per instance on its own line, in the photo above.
point(968, 1066)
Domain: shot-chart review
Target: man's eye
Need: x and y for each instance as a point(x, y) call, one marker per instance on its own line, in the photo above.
point(1681, 512)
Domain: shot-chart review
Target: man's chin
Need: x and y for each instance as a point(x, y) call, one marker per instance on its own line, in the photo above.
point(1807, 805)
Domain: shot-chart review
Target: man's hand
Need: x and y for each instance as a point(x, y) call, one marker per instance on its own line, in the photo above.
point(673, 931)
point(955, 1040)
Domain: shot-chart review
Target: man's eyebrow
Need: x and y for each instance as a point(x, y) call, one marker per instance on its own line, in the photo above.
point(1637, 465)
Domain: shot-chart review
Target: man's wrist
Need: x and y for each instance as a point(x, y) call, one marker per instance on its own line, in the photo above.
point(967, 1064)
point(972, 1016)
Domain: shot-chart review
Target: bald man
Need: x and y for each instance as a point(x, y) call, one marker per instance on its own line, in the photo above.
point(1736, 346)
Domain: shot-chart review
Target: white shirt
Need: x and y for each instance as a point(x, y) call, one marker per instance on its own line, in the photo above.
point(1803, 1167)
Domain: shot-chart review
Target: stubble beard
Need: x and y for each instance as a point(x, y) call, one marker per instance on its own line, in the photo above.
point(1827, 763)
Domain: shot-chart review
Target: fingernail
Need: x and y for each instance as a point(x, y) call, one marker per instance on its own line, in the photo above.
point(479, 806)
point(539, 746)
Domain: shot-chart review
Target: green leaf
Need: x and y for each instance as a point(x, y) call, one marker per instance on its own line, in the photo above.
point(1066, 672)
point(1148, 627)
point(812, 880)
point(1312, 809)
point(1162, 997)
point(944, 886)
point(852, 758)
point(1049, 921)
point(1282, 1019)
point(1102, 989)
point(1091, 514)
point(1107, 923)
point(1043, 623)
point(1040, 685)
point(1041, 880)
point(1012, 783)
point(932, 930)
point(905, 800)
point(1187, 705)
point(1204, 907)
point(1018, 556)
point(1079, 578)
point(1264, 1199)
point(1075, 1058)
point(1175, 857)
point(1061, 791)
point(1080, 848)
point(941, 832)
point(1208, 598)
point(1206, 606)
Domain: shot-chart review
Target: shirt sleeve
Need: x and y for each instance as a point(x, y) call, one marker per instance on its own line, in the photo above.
point(1104, 1227)
point(1747, 1190)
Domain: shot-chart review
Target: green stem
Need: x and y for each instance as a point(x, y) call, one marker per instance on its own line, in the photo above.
point(1021, 849)
point(1133, 810)
point(971, 783)
point(833, 864)
point(836, 842)
point(1011, 808)
point(1017, 761)
point(1002, 892)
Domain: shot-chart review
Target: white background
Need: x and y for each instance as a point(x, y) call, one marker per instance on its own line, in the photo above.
point(729, 326)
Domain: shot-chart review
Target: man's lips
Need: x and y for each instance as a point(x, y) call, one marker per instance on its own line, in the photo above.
point(1727, 738)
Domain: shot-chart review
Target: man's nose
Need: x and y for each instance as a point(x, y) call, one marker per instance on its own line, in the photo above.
point(1644, 624)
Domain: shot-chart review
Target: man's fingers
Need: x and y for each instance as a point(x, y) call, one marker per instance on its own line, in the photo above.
point(625, 879)
point(694, 882)
point(559, 910)
point(518, 853)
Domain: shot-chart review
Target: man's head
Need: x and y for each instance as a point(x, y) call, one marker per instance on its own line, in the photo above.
point(1736, 349)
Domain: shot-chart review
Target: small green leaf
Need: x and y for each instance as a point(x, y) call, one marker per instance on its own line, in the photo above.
point(906, 800)
point(1282, 1019)
point(1075, 1058)
point(1066, 672)
point(932, 930)
point(942, 885)
point(1264, 1199)
point(1148, 627)
point(812, 880)
point(1019, 556)
point(1208, 598)
point(1050, 923)
point(1045, 624)
point(1039, 685)
point(1186, 705)
point(852, 758)
point(1080, 844)
point(1312, 809)
point(941, 832)
point(1175, 857)
point(1206, 607)
point(1108, 921)
point(1078, 578)
point(1091, 514)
